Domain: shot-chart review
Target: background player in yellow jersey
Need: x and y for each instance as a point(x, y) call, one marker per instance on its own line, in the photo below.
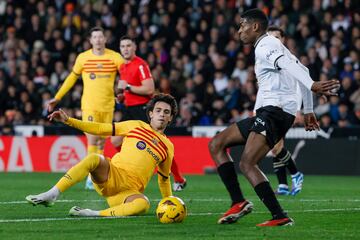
point(123, 179)
point(98, 68)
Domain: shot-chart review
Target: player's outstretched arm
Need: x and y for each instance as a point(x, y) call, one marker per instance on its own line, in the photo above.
point(326, 87)
point(103, 129)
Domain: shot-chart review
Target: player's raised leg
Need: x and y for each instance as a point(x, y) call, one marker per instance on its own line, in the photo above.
point(95, 164)
point(218, 149)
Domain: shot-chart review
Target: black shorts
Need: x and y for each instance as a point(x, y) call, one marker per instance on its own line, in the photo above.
point(270, 121)
point(137, 112)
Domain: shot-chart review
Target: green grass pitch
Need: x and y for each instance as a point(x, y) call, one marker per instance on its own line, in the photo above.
point(327, 208)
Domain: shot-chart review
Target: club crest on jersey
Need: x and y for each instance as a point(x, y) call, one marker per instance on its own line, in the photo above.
point(141, 145)
point(155, 141)
point(92, 76)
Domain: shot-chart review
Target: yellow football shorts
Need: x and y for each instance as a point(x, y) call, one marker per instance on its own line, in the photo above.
point(120, 185)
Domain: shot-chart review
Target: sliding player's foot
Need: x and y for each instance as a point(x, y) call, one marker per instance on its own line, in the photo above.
point(81, 212)
point(41, 199)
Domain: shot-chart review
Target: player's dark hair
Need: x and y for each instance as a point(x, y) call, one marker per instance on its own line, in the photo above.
point(126, 37)
point(161, 97)
point(256, 15)
point(274, 28)
point(95, 29)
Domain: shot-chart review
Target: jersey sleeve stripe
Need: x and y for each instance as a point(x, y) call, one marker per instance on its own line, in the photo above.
point(151, 140)
point(142, 139)
point(154, 135)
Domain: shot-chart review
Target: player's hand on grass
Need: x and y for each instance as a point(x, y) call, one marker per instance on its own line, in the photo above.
point(326, 87)
point(311, 122)
point(58, 116)
point(51, 104)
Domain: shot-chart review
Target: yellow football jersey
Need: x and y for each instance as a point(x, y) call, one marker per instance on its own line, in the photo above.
point(98, 74)
point(142, 149)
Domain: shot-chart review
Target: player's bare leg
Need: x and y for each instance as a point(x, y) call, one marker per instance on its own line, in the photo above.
point(231, 136)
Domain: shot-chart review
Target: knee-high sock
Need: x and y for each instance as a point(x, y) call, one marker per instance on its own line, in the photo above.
point(136, 207)
point(78, 172)
point(176, 173)
point(280, 170)
point(267, 196)
point(289, 162)
point(229, 177)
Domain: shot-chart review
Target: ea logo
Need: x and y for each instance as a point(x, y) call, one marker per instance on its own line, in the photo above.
point(141, 145)
point(65, 153)
point(92, 76)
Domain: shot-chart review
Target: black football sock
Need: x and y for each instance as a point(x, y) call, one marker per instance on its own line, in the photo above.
point(285, 157)
point(267, 196)
point(229, 177)
point(280, 171)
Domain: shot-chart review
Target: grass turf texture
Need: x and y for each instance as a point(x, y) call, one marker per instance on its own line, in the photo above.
point(327, 208)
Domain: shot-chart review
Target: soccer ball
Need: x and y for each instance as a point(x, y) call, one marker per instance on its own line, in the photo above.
point(171, 210)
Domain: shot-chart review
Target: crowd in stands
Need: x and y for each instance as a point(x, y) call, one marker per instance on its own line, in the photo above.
point(190, 45)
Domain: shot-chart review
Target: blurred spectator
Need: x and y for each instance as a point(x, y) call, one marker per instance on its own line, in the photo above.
point(191, 49)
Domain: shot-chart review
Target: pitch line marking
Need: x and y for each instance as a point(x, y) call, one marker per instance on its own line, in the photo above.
point(196, 200)
point(190, 214)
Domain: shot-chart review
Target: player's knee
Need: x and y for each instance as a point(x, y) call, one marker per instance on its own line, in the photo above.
point(141, 206)
point(215, 145)
point(245, 164)
point(93, 158)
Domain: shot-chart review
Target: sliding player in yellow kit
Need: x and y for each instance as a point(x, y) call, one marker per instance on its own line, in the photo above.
point(122, 179)
point(98, 68)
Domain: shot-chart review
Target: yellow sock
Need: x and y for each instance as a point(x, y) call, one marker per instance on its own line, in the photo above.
point(92, 149)
point(136, 207)
point(78, 172)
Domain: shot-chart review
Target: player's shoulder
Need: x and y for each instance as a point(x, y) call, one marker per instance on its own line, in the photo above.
point(85, 53)
point(268, 42)
point(139, 61)
point(112, 52)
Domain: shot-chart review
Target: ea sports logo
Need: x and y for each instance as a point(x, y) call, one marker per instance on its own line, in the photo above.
point(141, 145)
point(65, 153)
point(92, 76)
